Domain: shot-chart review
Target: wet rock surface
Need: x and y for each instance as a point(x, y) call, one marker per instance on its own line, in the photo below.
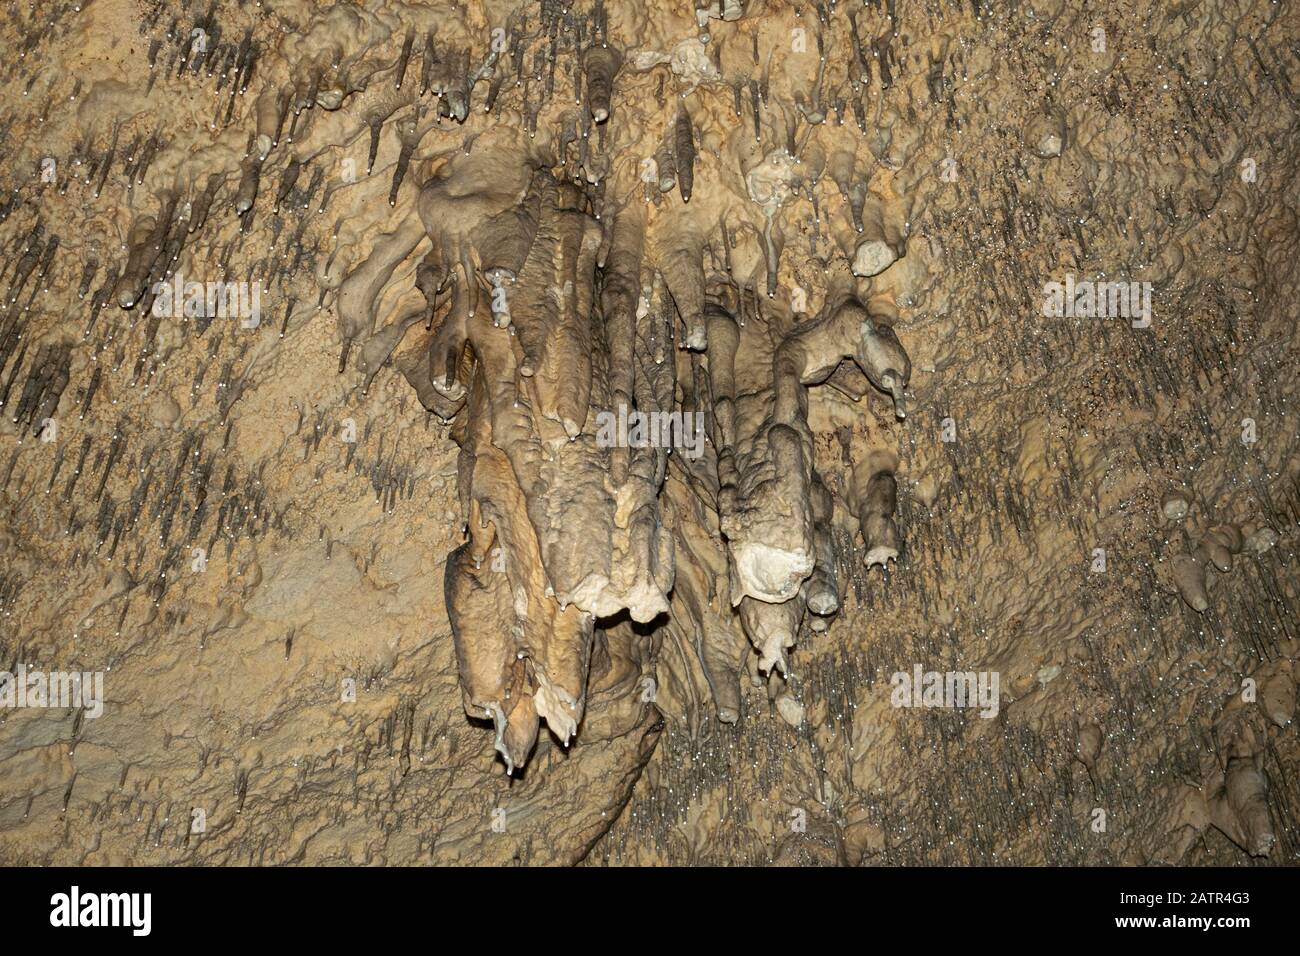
point(737, 433)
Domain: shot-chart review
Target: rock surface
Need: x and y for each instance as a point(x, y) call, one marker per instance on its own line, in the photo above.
point(534, 433)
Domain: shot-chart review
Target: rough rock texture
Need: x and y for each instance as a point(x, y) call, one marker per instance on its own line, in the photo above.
point(617, 398)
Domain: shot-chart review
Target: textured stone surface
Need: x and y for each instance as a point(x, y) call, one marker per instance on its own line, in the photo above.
point(346, 558)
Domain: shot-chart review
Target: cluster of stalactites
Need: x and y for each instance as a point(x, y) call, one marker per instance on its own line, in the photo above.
point(543, 325)
point(555, 317)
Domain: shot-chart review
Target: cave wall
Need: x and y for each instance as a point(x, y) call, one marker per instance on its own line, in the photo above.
point(374, 572)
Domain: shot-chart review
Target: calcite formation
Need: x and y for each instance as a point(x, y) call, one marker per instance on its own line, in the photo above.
point(568, 274)
point(616, 395)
